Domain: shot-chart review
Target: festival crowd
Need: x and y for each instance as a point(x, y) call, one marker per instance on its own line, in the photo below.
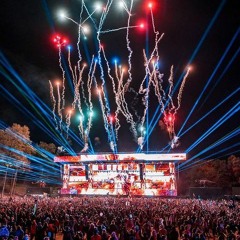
point(107, 218)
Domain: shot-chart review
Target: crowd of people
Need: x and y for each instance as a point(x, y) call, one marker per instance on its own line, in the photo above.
point(109, 218)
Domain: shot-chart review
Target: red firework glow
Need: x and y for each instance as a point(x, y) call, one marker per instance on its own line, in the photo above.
point(59, 40)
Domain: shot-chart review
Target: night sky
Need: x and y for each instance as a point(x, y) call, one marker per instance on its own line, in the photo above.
point(205, 34)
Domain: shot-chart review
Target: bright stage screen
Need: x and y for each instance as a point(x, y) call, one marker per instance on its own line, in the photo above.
point(140, 179)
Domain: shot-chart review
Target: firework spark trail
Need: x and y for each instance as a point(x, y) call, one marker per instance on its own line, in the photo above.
point(118, 29)
point(151, 76)
point(105, 119)
point(117, 122)
point(71, 19)
point(145, 104)
point(119, 95)
point(77, 100)
point(74, 76)
point(179, 97)
point(104, 15)
point(83, 93)
point(122, 105)
point(134, 103)
point(90, 15)
point(147, 72)
point(129, 49)
point(118, 102)
point(68, 121)
point(128, 115)
point(116, 74)
point(143, 90)
point(79, 103)
point(61, 108)
point(156, 76)
point(156, 36)
point(89, 86)
point(53, 103)
point(148, 61)
point(154, 54)
point(124, 5)
point(74, 79)
point(79, 37)
point(75, 94)
point(157, 80)
point(119, 98)
point(104, 107)
point(80, 126)
point(170, 80)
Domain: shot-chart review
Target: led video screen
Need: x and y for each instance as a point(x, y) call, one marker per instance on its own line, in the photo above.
point(140, 179)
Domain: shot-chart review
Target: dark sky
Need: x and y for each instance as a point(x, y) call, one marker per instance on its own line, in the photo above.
point(203, 33)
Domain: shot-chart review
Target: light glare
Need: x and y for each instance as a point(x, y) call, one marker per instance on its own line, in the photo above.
point(98, 6)
point(86, 29)
point(62, 14)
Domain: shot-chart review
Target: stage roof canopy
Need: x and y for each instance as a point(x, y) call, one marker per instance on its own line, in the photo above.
point(121, 157)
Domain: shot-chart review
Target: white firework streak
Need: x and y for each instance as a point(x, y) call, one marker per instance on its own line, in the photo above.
point(118, 29)
point(117, 122)
point(103, 99)
point(118, 101)
point(104, 107)
point(119, 95)
point(119, 98)
point(125, 7)
point(129, 49)
point(79, 104)
point(79, 37)
point(74, 76)
point(68, 121)
point(105, 120)
point(156, 81)
point(157, 75)
point(148, 61)
point(179, 97)
point(170, 80)
point(89, 86)
point(143, 90)
point(61, 108)
point(83, 94)
point(122, 105)
point(127, 114)
point(89, 15)
point(53, 103)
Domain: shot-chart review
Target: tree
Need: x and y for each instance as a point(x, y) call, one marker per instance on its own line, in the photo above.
point(234, 165)
point(45, 167)
point(15, 143)
point(222, 173)
point(50, 147)
point(46, 150)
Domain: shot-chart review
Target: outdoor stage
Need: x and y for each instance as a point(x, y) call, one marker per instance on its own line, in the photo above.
point(120, 174)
